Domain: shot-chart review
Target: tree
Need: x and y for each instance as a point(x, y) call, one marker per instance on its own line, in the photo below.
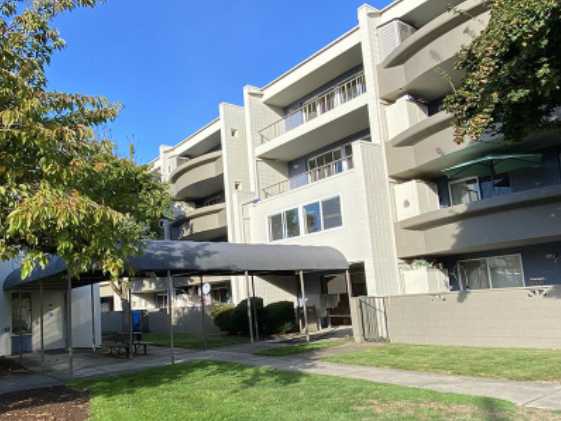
point(63, 190)
point(513, 72)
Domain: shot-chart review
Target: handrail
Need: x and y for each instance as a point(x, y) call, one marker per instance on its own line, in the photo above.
point(339, 94)
point(312, 176)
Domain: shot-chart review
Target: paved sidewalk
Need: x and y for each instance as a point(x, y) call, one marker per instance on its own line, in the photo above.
point(19, 382)
point(530, 394)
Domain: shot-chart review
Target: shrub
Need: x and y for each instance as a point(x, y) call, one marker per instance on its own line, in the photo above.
point(279, 317)
point(240, 321)
point(222, 315)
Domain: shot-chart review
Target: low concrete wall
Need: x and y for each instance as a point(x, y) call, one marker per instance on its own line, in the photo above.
point(186, 320)
point(518, 317)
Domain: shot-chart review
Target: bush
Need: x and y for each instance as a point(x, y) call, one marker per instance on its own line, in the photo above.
point(275, 318)
point(222, 315)
point(240, 321)
point(279, 317)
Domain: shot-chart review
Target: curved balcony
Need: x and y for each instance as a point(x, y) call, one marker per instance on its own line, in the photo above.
point(199, 177)
point(428, 147)
point(484, 225)
point(423, 64)
point(204, 224)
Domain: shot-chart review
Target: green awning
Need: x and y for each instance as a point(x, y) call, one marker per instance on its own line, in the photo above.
point(491, 165)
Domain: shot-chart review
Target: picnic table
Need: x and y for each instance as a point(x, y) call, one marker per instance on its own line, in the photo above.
point(120, 342)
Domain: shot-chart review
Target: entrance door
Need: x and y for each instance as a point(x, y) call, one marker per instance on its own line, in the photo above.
point(21, 323)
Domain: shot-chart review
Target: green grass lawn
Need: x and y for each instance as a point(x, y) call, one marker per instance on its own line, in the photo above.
point(287, 350)
point(208, 390)
point(185, 340)
point(514, 364)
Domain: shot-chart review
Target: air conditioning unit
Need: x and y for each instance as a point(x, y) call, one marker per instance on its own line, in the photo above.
point(392, 34)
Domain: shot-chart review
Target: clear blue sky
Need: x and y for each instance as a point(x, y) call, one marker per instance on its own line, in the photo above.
point(170, 63)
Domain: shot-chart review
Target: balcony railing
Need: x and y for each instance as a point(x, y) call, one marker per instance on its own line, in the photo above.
point(312, 176)
point(337, 95)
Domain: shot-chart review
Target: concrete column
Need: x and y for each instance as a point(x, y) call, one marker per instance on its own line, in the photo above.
point(203, 333)
point(41, 324)
point(69, 323)
point(93, 316)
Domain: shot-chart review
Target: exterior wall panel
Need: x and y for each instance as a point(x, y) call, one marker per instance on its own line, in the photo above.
point(520, 317)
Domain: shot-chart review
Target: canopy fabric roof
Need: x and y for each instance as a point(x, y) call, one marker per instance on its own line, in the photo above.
point(201, 258)
point(491, 165)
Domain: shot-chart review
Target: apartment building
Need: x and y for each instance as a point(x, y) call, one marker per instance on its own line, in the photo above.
point(351, 148)
point(486, 211)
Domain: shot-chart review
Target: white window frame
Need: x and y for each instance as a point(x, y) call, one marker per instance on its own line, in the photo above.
point(284, 226)
point(461, 180)
point(301, 223)
point(486, 260)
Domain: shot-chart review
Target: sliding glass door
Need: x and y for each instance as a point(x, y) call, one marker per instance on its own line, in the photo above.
point(491, 272)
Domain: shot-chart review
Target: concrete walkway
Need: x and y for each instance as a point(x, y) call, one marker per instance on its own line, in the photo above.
point(529, 394)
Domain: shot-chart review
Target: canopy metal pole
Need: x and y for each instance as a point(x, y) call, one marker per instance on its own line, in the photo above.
point(349, 289)
point(170, 311)
point(203, 333)
point(69, 323)
point(93, 315)
point(130, 319)
point(249, 312)
point(305, 309)
point(255, 318)
point(41, 324)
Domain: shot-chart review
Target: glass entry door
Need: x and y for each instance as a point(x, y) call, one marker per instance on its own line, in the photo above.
point(21, 322)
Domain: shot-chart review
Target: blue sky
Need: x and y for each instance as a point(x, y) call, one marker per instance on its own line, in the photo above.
point(170, 63)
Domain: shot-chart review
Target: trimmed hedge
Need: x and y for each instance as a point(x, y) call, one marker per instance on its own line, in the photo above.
point(274, 318)
point(223, 315)
point(279, 317)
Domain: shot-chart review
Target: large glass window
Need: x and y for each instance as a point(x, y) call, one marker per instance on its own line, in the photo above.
point(506, 271)
point(292, 223)
point(491, 272)
point(331, 213)
point(312, 218)
point(276, 227)
point(317, 216)
point(284, 225)
point(464, 191)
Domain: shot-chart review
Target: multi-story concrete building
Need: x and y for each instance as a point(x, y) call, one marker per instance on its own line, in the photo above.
point(351, 148)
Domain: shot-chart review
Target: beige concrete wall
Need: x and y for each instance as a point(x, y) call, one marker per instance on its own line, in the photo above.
point(486, 225)
point(518, 317)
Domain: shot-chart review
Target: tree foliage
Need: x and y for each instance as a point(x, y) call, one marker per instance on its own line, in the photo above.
point(63, 190)
point(513, 72)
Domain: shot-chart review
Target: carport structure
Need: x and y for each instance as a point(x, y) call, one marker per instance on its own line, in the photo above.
point(170, 259)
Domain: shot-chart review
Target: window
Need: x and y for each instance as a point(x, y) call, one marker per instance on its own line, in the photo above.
point(284, 225)
point(292, 220)
point(312, 218)
point(21, 313)
point(107, 304)
point(464, 191)
point(275, 227)
point(329, 163)
point(317, 216)
point(491, 272)
point(331, 213)
point(162, 301)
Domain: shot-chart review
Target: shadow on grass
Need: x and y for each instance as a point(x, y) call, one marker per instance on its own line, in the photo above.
point(197, 371)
